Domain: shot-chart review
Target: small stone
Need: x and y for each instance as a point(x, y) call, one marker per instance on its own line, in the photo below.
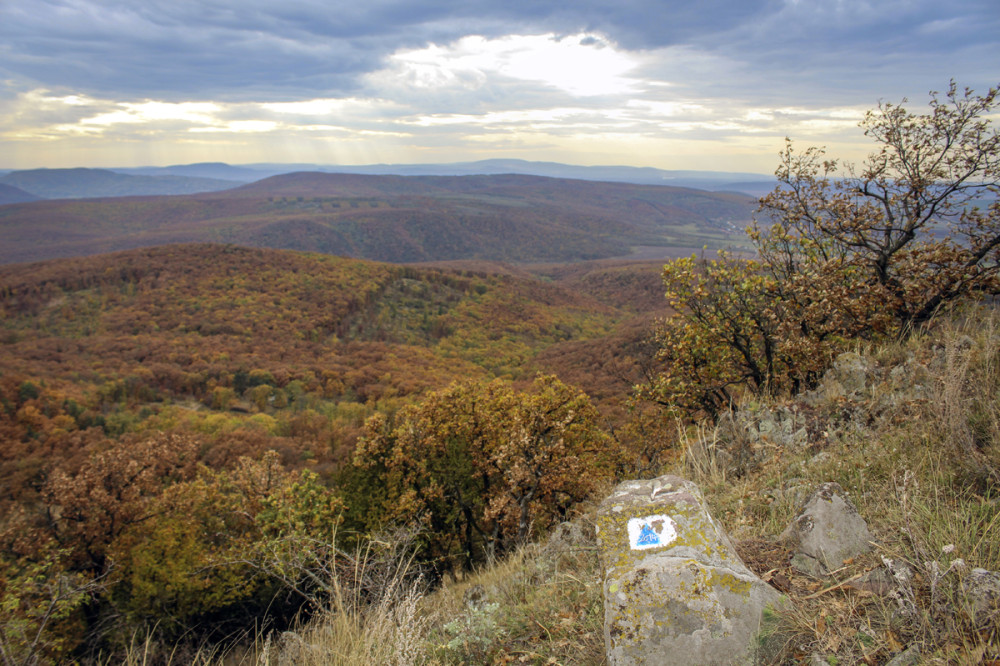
point(475, 596)
point(877, 581)
point(851, 371)
point(907, 657)
point(819, 459)
point(827, 531)
point(569, 536)
point(982, 589)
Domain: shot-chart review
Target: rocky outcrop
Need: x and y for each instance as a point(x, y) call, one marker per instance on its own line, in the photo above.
point(675, 591)
point(850, 375)
point(827, 531)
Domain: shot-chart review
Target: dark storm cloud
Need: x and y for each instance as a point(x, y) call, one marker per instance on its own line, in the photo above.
point(839, 51)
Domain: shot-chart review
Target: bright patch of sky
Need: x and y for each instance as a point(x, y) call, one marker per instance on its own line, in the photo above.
point(679, 85)
point(583, 65)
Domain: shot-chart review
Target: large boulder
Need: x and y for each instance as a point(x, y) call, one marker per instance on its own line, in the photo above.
point(827, 531)
point(675, 591)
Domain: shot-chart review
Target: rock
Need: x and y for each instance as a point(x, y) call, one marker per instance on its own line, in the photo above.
point(963, 343)
point(570, 536)
point(819, 459)
point(982, 590)
point(908, 382)
point(826, 531)
point(851, 372)
point(878, 581)
point(848, 377)
point(780, 426)
point(474, 597)
point(675, 591)
point(907, 657)
point(750, 435)
point(289, 649)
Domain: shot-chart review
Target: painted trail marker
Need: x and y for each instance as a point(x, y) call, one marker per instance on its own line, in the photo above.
point(651, 532)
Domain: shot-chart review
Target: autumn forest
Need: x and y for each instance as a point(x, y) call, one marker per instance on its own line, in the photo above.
point(161, 408)
point(199, 428)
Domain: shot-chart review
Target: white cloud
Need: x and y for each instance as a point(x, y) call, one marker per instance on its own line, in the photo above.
point(152, 111)
point(240, 126)
point(309, 107)
point(582, 65)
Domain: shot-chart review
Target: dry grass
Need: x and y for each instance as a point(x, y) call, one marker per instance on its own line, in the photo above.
point(390, 631)
point(541, 606)
point(917, 451)
point(921, 466)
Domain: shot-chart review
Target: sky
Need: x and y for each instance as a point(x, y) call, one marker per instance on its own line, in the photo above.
point(701, 84)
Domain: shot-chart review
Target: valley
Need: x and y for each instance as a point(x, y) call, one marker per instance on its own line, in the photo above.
point(220, 339)
point(233, 353)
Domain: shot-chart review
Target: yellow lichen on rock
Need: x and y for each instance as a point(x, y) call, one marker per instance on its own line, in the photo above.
point(673, 583)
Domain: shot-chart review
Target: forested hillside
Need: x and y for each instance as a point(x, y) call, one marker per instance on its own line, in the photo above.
point(391, 218)
point(87, 183)
point(187, 331)
point(133, 371)
point(10, 195)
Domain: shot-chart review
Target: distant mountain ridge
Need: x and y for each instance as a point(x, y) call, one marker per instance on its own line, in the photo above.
point(510, 218)
point(11, 195)
point(212, 170)
point(83, 183)
point(213, 176)
point(750, 183)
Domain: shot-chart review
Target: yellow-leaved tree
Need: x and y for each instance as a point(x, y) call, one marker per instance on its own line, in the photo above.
point(842, 253)
point(479, 465)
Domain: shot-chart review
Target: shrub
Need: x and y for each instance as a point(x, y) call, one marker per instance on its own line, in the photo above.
point(479, 465)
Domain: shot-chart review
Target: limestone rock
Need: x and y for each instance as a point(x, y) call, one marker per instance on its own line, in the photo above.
point(750, 435)
point(849, 377)
point(982, 590)
point(850, 372)
point(570, 536)
point(908, 657)
point(675, 591)
point(878, 581)
point(827, 531)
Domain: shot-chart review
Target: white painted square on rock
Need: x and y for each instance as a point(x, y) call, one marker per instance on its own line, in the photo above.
point(651, 532)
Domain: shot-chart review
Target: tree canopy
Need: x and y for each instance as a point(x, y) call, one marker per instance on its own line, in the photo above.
point(842, 252)
point(480, 465)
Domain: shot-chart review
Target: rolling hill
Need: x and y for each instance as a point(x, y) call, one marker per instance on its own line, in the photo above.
point(10, 194)
point(93, 183)
point(214, 170)
point(718, 181)
point(511, 218)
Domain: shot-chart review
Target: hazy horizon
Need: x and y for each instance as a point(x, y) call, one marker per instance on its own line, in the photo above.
point(266, 167)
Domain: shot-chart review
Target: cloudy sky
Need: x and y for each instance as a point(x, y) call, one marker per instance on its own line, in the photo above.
point(699, 84)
